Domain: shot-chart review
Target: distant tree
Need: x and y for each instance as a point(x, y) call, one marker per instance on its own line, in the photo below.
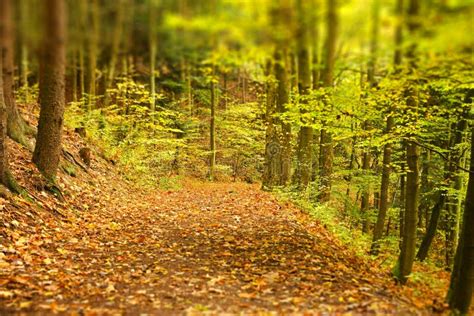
point(304, 161)
point(387, 149)
point(408, 248)
point(47, 151)
point(327, 78)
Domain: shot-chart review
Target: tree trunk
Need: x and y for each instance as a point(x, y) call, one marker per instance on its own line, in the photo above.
point(387, 150)
point(93, 51)
point(461, 288)
point(24, 23)
point(17, 128)
point(326, 152)
point(407, 252)
point(449, 175)
point(212, 138)
point(152, 44)
point(364, 203)
point(283, 95)
point(47, 151)
point(432, 226)
point(116, 39)
point(303, 170)
point(271, 174)
point(3, 129)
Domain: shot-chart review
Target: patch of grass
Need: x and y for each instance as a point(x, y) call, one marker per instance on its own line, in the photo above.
point(170, 183)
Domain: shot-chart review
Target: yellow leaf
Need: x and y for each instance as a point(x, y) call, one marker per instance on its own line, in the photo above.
point(6, 294)
point(25, 304)
point(47, 261)
point(62, 251)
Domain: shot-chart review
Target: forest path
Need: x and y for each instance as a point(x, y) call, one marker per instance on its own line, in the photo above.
point(206, 247)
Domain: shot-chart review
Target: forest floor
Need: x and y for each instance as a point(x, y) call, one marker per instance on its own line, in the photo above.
point(112, 247)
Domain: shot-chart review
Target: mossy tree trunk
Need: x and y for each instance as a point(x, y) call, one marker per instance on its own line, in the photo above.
point(47, 151)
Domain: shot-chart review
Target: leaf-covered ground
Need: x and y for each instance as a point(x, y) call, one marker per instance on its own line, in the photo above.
point(112, 247)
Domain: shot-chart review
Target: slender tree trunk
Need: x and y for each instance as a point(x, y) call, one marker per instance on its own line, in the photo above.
point(116, 39)
point(3, 129)
point(212, 158)
point(73, 66)
point(47, 151)
point(326, 152)
point(24, 23)
point(403, 191)
point(82, 49)
point(387, 150)
point(271, 172)
point(432, 226)
point(93, 51)
point(315, 45)
point(304, 163)
point(449, 176)
point(461, 288)
point(364, 203)
point(152, 43)
point(17, 128)
point(283, 95)
point(407, 252)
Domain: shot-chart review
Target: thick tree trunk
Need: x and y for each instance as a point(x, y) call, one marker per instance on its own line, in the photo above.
point(461, 288)
point(47, 152)
point(17, 128)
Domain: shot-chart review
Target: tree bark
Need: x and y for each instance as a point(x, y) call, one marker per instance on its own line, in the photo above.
point(47, 151)
point(17, 128)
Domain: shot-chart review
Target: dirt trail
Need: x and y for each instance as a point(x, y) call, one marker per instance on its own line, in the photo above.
point(204, 248)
